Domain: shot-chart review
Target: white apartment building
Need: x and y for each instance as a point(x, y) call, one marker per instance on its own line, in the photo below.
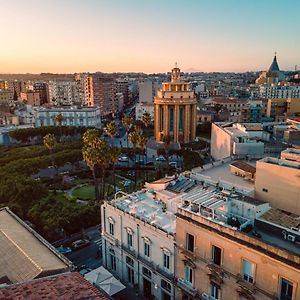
point(141, 108)
point(138, 241)
point(237, 140)
point(72, 116)
point(147, 90)
point(66, 92)
point(279, 91)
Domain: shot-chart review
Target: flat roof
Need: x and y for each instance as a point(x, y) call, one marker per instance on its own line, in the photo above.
point(244, 166)
point(282, 218)
point(281, 162)
point(222, 172)
point(24, 254)
point(145, 206)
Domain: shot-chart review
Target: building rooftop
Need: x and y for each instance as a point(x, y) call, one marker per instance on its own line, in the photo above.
point(67, 286)
point(281, 162)
point(237, 211)
point(182, 184)
point(24, 254)
point(146, 206)
point(244, 166)
point(282, 218)
point(221, 172)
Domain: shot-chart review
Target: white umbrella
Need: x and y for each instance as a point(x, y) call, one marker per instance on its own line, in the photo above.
point(111, 286)
point(97, 275)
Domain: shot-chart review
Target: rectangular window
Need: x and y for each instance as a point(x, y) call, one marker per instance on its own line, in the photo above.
point(130, 275)
point(248, 271)
point(113, 262)
point(146, 272)
point(111, 228)
point(190, 242)
point(129, 240)
point(188, 274)
point(214, 291)
point(216, 255)
point(286, 289)
point(146, 249)
point(129, 261)
point(166, 259)
point(165, 285)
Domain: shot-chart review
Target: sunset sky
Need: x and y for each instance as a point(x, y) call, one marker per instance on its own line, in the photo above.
point(147, 35)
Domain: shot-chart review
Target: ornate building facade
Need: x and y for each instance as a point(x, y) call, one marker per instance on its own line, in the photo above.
point(175, 110)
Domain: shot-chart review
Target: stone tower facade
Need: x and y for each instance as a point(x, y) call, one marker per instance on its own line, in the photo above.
point(175, 110)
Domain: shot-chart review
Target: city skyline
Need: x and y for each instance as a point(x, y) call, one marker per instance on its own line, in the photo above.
point(140, 36)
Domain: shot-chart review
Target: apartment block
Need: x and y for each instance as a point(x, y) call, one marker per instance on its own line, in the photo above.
point(238, 140)
point(227, 248)
point(138, 242)
point(278, 182)
point(72, 116)
point(30, 98)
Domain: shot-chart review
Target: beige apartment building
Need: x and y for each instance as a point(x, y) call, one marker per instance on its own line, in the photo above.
point(278, 182)
point(6, 96)
point(280, 107)
point(30, 98)
point(217, 260)
point(175, 111)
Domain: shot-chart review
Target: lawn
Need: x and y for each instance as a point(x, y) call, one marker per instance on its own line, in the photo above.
point(86, 192)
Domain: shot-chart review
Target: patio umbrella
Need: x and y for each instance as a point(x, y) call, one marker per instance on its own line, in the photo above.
point(111, 286)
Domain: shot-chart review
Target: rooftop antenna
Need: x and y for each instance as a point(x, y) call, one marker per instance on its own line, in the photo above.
point(175, 64)
point(275, 53)
point(296, 67)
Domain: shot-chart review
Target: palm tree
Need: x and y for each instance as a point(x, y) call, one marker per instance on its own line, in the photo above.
point(50, 142)
point(143, 146)
point(167, 140)
point(127, 122)
point(114, 155)
point(146, 119)
point(59, 119)
point(90, 155)
point(90, 137)
point(111, 129)
point(134, 138)
point(95, 154)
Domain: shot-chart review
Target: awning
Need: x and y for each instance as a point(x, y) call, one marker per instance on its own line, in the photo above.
point(105, 281)
point(110, 286)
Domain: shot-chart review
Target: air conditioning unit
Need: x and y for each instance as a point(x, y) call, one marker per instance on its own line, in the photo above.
point(205, 296)
point(291, 238)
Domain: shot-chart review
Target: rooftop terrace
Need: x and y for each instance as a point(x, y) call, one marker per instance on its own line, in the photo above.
point(145, 206)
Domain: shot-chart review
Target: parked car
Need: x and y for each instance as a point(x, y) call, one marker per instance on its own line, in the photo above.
point(63, 249)
point(123, 158)
point(173, 164)
point(161, 158)
point(149, 163)
point(126, 183)
point(139, 162)
point(80, 244)
point(131, 173)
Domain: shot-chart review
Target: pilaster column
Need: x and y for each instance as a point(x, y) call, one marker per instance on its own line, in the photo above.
point(176, 123)
point(166, 119)
point(187, 122)
point(194, 122)
point(157, 121)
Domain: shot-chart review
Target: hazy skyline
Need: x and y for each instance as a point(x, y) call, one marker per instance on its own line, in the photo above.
point(148, 36)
